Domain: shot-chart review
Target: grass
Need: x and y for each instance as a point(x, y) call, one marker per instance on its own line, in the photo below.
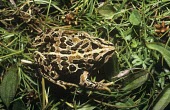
point(140, 68)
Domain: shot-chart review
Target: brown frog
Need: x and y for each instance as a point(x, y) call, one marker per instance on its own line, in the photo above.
point(67, 57)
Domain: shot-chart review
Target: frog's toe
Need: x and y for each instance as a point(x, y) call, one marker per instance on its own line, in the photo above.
point(103, 86)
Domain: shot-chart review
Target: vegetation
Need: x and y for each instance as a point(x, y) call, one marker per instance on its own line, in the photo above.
point(140, 68)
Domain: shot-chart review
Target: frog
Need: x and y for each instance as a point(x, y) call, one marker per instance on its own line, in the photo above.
point(68, 57)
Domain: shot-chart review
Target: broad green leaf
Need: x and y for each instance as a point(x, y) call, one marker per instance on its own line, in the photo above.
point(161, 48)
point(163, 99)
point(9, 85)
point(135, 80)
point(135, 17)
point(107, 11)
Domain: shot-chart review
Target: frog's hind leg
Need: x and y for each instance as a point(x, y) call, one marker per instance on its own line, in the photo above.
point(84, 81)
point(60, 83)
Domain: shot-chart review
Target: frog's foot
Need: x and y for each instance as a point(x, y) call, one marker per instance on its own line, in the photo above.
point(94, 85)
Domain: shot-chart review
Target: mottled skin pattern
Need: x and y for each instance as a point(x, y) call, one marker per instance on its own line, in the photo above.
point(64, 55)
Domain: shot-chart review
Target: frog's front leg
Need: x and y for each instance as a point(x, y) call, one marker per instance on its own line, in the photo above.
point(60, 83)
point(84, 81)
